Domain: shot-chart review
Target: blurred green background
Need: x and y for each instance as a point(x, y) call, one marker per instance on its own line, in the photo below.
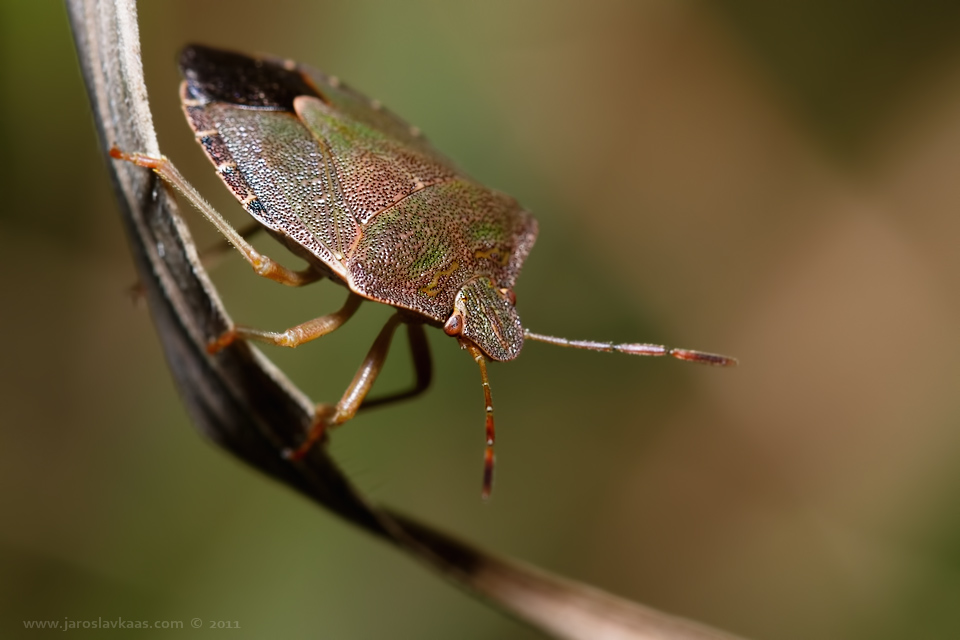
point(777, 181)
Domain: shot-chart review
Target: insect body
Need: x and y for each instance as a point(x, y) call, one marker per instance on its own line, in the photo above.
point(360, 195)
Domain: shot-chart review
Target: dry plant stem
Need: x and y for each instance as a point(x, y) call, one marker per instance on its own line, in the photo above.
point(239, 400)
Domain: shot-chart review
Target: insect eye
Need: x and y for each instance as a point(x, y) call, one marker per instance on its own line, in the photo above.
point(453, 325)
point(510, 296)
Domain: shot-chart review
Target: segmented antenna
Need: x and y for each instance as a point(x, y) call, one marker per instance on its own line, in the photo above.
point(636, 349)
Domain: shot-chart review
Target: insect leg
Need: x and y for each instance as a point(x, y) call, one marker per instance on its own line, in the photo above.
point(353, 397)
point(422, 365)
point(209, 257)
point(488, 458)
point(636, 349)
point(294, 336)
point(263, 265)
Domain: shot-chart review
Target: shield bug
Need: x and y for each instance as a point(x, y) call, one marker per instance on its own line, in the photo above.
point(368, 203)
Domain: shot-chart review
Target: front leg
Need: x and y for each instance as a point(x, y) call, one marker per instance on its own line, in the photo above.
point(263, 265)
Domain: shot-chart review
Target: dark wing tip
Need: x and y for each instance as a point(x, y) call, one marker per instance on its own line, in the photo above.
point(215, 75)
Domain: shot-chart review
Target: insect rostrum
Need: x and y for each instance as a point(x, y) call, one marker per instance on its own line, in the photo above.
point(370, 204)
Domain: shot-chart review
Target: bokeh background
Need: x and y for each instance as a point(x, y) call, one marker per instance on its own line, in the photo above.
point(778, 181)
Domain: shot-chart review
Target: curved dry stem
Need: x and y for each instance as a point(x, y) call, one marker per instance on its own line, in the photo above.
point(243, 403)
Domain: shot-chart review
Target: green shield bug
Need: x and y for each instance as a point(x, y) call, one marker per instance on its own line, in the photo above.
point(368, 203)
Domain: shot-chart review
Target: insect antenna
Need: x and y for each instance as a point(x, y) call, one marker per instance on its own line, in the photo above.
point(488, 458)
point(636, 349)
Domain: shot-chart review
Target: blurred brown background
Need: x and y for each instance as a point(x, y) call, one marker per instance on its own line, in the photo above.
point(777, 181)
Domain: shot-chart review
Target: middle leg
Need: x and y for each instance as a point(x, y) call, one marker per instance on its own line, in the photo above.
point(294, 336)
